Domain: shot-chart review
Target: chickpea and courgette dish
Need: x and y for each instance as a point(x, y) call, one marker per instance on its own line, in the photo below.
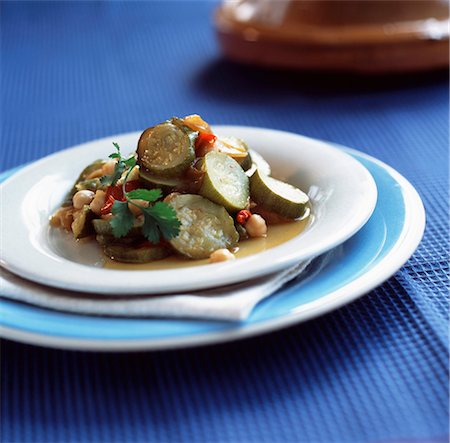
point(185, 192)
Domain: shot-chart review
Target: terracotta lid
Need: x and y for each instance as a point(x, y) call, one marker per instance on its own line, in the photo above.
point(359, 35)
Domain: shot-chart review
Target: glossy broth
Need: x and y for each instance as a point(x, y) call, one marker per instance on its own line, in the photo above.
point(276, 235)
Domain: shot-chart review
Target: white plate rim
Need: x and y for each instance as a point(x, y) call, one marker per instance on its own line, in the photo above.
point(407, 242)
point(280, 257)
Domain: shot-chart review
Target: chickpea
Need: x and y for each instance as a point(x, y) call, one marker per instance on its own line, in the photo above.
point(63, 217)
point(221, 255)
point(98, 202)
point(256, 226)
point(94, 174)
point(108, 167)
point(82, 198)
point(134, 209)
point(134, 175)
point(107, 217)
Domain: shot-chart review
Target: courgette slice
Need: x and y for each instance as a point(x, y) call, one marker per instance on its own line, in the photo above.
point(103, 227)
point(109, 240)
point(232, 146)
point(277, 196)
point(156, 181)
point(258, 162)
point(247, 162)
point(224, 182)
point(97, 164)
point(82, 222)
point(92, 184)
point(141, 254)
point(166, 150)
point(205, 226)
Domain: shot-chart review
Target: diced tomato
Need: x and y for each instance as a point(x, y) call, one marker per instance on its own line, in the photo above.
point(204, 143)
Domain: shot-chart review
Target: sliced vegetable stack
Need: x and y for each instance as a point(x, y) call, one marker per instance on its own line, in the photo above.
point(184, 191)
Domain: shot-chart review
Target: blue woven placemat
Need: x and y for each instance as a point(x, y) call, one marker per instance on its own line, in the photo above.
point(374, 371)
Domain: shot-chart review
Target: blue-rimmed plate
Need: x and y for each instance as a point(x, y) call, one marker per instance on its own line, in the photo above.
point(368, 258)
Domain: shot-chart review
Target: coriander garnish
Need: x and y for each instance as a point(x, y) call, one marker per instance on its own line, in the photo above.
point(160, 219)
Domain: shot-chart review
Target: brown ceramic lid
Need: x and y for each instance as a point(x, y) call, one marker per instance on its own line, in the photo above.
point(367, 36)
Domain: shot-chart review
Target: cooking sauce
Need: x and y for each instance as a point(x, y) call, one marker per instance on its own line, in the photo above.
point(276, 235)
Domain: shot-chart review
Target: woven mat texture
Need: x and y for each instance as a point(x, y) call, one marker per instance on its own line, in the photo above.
point(373, 371)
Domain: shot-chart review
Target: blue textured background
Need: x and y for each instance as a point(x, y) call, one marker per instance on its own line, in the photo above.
point(374, 371)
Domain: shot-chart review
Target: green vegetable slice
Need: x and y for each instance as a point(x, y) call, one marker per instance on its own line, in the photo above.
point(224, 183)
point(92, 184)
point(103, 227)
point(82, 223)
point(157, 181)
point(109, 240)
point(277, 196)
point(141, 254)
point(97, 164)
point(166, 149)
point(237, 149)
point(258, 162)
point(205, 226)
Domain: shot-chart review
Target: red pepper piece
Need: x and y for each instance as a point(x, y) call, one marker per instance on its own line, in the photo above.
point(243, 216)
point(132, 185)
point(204, 143)
point(113, 193)
point(107, 207)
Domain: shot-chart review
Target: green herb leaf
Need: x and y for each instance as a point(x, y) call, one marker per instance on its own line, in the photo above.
point(123, 219)
point(111, 180)
point(150, 229)
point(130, 161)
point(166, 219)
point(116, 145)
point(149, 195)
point(159, 219)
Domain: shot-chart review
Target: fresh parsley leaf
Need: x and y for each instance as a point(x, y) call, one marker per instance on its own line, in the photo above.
point(123, 219)
point(159, 219)
point(105, 180)
point(130, 161)
point(116, 145)
point(166, 219)
point(149, 195)
point(111, 180)
point(150, 229)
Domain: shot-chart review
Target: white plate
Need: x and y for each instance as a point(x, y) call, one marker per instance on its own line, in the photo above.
point(355, 267)
point(342, 191)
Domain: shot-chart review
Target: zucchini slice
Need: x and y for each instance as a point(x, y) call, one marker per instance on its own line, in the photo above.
point(103, 227)
point(235, 148)
point(205, 226)
point(224, 182)
point(109, 240)
point(142, 254)
point(92, 184)
point(155, 181)
point(258, 162)
point(97, 164)
point(277, 196)
point(232, 146)
point(247, 162)
point(82, 222)
point(166, 150)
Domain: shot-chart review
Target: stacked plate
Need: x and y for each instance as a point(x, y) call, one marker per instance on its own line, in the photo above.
point(366, 222)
